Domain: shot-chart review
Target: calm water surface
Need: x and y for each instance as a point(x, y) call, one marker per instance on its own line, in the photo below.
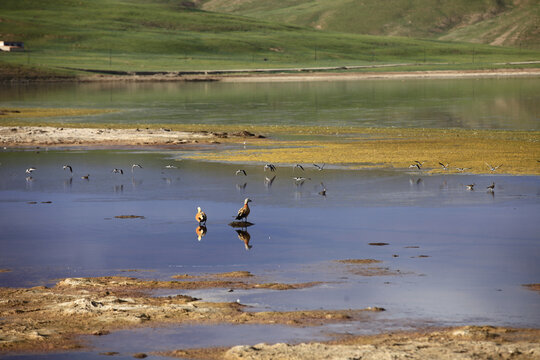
point(463, 103)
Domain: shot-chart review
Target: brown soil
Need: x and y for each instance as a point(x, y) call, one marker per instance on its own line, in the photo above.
point(469, 342)
point(35, 319)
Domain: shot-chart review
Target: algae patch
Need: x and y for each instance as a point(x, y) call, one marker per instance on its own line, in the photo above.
point(462, 151)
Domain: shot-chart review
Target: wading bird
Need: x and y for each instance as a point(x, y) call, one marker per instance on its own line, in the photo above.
point(200, 216)
point(134, 166)
point(323, 191)
point(298, 166)
point(30, 169)
point(68, 167)
point(270, 167)
point(241, 171)
point(118, 171)
point(462, 169)
point(244, 210)
point(491, 188)
point(86, 177)
point(470, 187)
point(170, 167)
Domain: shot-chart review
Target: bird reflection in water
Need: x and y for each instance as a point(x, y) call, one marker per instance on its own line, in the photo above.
point(241, 187)
point(245, 237)
point(200, 231)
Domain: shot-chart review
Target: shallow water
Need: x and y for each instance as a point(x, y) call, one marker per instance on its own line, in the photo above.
point(462, 256)
point(434, 103)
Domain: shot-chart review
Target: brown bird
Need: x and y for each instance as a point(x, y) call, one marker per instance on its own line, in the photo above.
point(200, 216)
point(244, 210)
point(201, 231)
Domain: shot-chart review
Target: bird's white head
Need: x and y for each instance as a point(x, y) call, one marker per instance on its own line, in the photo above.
point(198, 208)
point(246, 201)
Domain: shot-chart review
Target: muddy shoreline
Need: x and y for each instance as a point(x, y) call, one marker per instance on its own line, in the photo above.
point(35, 320)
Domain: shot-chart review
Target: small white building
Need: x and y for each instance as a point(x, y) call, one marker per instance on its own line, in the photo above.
point(11, 46)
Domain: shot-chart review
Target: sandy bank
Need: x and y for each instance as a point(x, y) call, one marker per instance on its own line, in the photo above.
point(59, 136)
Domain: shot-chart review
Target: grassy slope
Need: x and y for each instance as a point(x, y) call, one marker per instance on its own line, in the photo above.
point(487, 21)
point(163, 35)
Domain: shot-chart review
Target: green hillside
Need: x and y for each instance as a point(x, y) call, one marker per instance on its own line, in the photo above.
point(167, 35)
point(496, 22)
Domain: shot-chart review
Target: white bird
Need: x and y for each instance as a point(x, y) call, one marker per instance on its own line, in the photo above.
point(270, 167)
point(493, 168)
point(461, 169)
point(241, 171)
point(134, 166)
point(68, 167)
point(319, 167)
point(118, 171)
point(470, 187)
point(170, 167)
point(300, 180)
point(445, 167)
point(30, 169)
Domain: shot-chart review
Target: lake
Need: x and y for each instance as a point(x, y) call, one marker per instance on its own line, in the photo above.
point(462, 103)
point(453, 256)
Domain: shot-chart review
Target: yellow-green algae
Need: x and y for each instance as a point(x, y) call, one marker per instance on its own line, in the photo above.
point(517, 151)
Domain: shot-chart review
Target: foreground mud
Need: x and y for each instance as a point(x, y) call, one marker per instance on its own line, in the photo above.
point(49, 319)
point(470, 342)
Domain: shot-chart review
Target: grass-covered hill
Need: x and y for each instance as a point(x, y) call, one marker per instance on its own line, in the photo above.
point(496, 22)
point(159, 35)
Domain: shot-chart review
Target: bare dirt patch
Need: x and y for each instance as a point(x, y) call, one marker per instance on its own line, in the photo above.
point(35, 319)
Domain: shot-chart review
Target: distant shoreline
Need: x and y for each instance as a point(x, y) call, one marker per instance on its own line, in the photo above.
point(274, 75)
point(286, 76)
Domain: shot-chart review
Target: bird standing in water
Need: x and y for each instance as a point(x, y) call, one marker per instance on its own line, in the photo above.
point(200, 216)
point(244, 210)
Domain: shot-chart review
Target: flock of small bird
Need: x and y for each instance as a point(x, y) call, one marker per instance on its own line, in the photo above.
point(491, 188)
point(244, 211)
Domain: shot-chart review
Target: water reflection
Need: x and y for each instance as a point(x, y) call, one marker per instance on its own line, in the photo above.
point(200, 231)
point(269, 181)
point(462, 103)
point(245, 237)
